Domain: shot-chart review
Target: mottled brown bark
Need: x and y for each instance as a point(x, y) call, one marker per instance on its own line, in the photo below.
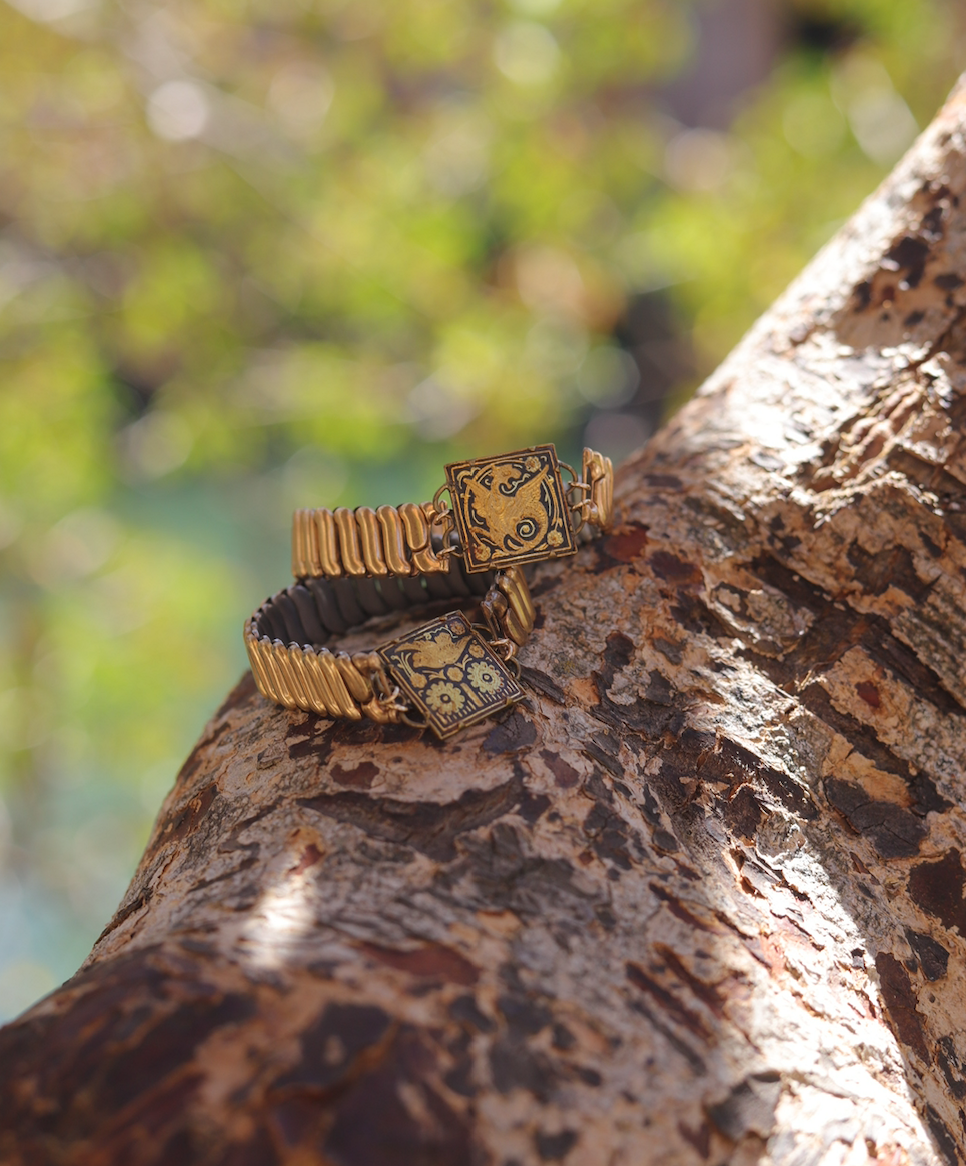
point(702, 900)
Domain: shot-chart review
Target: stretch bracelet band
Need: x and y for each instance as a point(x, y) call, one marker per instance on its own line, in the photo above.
point(445, 675)
point(503, 511)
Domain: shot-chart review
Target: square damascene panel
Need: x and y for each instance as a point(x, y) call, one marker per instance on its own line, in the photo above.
point(511, 509)
point(450, 674)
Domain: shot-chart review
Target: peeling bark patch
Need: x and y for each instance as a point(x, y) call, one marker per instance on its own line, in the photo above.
point(861, 296)
point(664, 481)
point(609, 835)
point(617, 655)
point(508, 876)
point(733, 764)
point(866, 744)
point(304, 742)
point(331, 1046)
point(124, 913)
point(749, 1108)
point(431, 961)
point(673, 570)
point(311, 856)
point(465, 1010)
point(596, 752)
point(186, 822)
point(166, 1046)
point(933, 957)
point(668, 1002)
point(555, 1147)
point(893, 831)
point(514, 733)
point(889, 568)
point(900, 1002)
point(533, 678)
point(564, 774)
point(679, 910)
point(708, 994)
point(429, 827)
point(514, 1066)
point(626, 545)
point(700, 1138)
point(948, 1061)
point(937, 887)
point(524, 1017)
point(743, 813)
point(909, 254)
point(944, 1139)
point(393, 1114)
point(658, 687)
point(361, 777)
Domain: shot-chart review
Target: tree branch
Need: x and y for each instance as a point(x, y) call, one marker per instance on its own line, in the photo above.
point(701, 900)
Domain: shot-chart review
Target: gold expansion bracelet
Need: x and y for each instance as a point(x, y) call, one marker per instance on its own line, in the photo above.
point(352, 565)
point(505, 510)
point(445, 675)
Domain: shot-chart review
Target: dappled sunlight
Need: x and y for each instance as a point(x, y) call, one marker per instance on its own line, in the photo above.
point(274, 930)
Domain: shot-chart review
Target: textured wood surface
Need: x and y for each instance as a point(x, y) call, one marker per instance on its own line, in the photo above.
point(700, 901)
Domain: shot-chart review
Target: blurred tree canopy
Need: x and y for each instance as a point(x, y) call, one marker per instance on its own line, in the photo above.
point(258, 255)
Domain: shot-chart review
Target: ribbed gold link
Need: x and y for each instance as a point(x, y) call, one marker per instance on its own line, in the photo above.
point(345, 705)
point(598, 472)
point(376, 711)
point(329, 694)
point(417, 525)
point(514, 628)
point(367, 662)
point(280, 673)
point(298, 681)
point(327, 541)
point(298, 544)
point(310, 536)
point(494, 606)
point(351, 551)
point(301, 660)
point(365, 542)
point(262, 679)
point(393, 540)
point(359, 687)
point(263, 649)
point(512, 582)
point(371, 540)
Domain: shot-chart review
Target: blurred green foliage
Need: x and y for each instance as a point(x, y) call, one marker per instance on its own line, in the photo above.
point(257, 255)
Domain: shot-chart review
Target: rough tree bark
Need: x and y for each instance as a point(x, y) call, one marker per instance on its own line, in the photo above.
point(701, 901)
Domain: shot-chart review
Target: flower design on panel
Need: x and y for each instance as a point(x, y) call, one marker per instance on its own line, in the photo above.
point(449, 674)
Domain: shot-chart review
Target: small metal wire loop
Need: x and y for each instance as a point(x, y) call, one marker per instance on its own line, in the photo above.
point(441, 508)
point(447, 524)
point(503, 646)
point(391, 701)
point(581, 508)
point(406, 719)
point(571, 471)
point(380, 684)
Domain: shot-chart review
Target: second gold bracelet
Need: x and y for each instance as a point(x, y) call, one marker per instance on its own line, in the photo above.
point(503, 511)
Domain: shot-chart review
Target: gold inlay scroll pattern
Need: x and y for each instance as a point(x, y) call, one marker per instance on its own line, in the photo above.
point(450, 675)
point(511, 509)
